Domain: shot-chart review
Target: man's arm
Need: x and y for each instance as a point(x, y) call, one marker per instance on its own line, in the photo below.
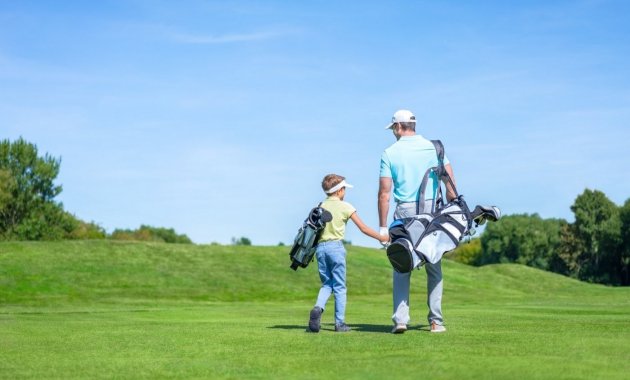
point(450, 192)
point(384, 190)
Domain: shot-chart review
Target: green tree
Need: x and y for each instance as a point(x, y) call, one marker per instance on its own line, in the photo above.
point(597, 233)
point(624, 251)
point(567, 262)
point(6, 184)
point(48, 222)
point(241, 241)
point(27, 207)
point(525, 239)
point(148, 233)
point(168, 235)
point(85, 231)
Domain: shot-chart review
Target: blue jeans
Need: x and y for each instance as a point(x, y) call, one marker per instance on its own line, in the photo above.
point(331, 260)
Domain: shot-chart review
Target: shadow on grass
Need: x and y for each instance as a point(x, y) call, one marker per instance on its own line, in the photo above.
point(362, 327)
point(324, 327)
point(288, 327)
point(384, 328)
point(359, 327)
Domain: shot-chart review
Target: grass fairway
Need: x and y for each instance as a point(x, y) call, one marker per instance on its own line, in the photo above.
point(132, 310)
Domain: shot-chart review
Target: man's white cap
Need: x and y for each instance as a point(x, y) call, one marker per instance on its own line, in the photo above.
point(401, 116)
point(339, 186)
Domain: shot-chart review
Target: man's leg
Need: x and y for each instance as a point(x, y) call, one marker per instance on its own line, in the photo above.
point(401, 297)
point(401, 280)
point(434, 292)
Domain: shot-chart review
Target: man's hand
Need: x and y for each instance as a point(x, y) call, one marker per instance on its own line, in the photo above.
point(384, 231)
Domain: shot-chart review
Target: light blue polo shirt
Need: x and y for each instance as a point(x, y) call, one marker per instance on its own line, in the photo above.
point(405, 162)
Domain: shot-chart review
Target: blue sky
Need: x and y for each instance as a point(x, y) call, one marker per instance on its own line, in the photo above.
point(220, 119)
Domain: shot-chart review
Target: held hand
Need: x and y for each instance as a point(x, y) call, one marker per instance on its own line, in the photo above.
point(384, 232)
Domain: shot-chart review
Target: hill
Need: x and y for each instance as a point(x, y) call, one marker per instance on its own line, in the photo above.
point(74, 272)
point(103, 309)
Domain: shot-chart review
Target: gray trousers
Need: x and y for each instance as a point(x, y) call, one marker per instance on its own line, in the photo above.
point(402, 280)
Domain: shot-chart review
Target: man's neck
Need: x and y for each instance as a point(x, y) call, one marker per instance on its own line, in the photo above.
point(406, 134)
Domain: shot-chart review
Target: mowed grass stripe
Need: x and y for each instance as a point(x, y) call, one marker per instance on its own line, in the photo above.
point(267, 340)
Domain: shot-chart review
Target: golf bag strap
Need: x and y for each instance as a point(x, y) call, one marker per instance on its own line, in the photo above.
point(439, 150)
point(423, 187)
point(438, 170)
point(319, 233)
point(441, 170)
point(441, 174)
point(444, 176)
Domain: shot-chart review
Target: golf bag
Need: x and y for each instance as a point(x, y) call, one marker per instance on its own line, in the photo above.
point(305, 241)
point(426, 237)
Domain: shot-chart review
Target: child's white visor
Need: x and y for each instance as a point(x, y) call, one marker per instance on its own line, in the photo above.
point(339, 186)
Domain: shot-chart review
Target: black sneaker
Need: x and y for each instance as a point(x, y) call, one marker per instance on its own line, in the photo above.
point(342, 327)
point(315, 318)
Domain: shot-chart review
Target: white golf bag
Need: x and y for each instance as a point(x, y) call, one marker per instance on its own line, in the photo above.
point(426, 237)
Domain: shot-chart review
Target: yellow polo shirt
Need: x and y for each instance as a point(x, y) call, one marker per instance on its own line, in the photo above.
point(341, 212)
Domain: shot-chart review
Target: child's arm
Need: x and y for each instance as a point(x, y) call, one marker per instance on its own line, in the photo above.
point(367, 230)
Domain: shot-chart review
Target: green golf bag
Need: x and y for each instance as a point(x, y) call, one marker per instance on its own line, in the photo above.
point(305, 241)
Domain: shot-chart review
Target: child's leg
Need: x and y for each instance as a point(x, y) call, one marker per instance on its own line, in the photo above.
point(325, 276)
point(337, 256)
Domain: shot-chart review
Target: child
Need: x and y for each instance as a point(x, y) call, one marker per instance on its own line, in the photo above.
point(331, 254)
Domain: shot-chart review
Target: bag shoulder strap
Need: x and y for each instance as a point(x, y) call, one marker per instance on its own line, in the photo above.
point(439, 150)
point(441, 171)
point(441, 174)
point(421, 191)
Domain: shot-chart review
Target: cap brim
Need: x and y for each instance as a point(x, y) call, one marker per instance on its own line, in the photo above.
point(349, 186)
point(390, 126)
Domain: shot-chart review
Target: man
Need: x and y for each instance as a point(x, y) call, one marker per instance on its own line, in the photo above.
point(403, 165)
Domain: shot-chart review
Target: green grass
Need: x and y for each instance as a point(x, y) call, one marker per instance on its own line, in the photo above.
point(137, 310)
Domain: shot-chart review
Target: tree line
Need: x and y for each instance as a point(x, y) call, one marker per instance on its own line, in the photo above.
point(29, 211)
point(595, 247)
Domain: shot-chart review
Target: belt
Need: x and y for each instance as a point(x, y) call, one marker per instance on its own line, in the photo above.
point(329, 242)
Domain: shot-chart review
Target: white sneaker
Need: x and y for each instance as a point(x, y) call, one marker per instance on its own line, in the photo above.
point(435, 328)
point(399, 328)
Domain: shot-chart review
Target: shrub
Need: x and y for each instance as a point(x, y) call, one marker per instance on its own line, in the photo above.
point(148, 233)
point(467, 253)
point(241, 241)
